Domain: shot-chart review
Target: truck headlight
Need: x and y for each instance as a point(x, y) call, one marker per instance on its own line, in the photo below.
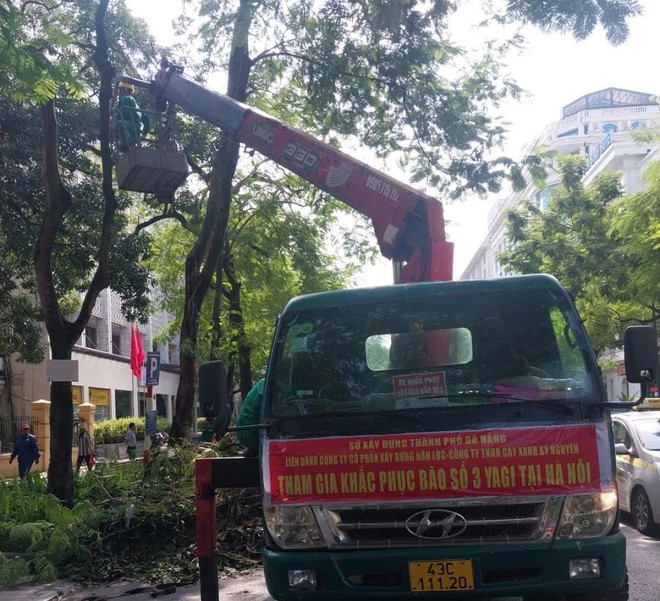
point(586, 516)
point(293, 527)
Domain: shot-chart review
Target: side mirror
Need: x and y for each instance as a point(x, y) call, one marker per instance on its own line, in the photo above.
point(641, 354)
point(620, 449)
point(214, 396)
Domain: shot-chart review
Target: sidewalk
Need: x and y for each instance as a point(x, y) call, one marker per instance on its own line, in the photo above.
point(38, 592)
point(246, 587)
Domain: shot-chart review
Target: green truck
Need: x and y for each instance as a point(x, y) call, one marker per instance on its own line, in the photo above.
point(442, 440)
point(431, 439)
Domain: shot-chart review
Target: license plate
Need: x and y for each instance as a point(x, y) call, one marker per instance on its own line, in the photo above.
point(441, 576)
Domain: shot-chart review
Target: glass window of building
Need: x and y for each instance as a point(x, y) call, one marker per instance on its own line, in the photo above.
point(116, 342)
point(91, 337)
point(122, 403)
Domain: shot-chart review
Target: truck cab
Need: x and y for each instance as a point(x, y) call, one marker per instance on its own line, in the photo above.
point(441, 439)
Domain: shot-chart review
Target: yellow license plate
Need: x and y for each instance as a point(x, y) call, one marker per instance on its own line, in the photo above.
point(441, 576)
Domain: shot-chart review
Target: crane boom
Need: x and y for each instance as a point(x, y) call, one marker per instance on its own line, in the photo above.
point(408, 224)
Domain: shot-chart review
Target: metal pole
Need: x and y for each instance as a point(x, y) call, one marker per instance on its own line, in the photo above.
point(655, 313)
point(205, 529)
point(212, 473)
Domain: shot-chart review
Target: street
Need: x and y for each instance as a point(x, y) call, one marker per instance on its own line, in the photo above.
point(643, 557)
point(643, 554)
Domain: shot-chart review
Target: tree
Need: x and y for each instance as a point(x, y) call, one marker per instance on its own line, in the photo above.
point(19, 318)
point(579, 18)
point(82, 243)
point(577, 240)
point(637, 219)
point(383, 72)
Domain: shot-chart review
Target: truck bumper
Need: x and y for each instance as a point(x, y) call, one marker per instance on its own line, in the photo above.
point(499, 571)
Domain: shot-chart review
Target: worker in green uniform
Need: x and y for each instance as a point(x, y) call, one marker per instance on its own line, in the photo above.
point(132, 123)
point(251, 415)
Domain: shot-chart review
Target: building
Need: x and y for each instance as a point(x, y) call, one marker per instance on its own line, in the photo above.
point(600, 127)
point(105, 376)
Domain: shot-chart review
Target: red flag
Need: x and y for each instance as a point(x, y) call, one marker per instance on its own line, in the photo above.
point(137, 352)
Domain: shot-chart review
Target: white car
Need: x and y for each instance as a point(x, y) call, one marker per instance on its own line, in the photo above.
point(637, 440)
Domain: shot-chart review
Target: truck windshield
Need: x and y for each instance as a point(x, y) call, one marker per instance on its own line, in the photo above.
point(439, 350)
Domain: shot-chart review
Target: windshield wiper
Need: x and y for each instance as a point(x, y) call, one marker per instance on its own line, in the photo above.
point(564, 405)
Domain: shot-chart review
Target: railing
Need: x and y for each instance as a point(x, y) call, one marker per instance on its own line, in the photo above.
point(10, 429)
point(596, 152)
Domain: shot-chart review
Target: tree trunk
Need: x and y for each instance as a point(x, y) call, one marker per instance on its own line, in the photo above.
point(216, 324)
point(9, 386)
point(61, 332)
point(242, 354)
point(200, 266)
point(203, 259)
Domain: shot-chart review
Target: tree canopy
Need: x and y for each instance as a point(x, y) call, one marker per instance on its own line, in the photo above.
point(601, 245)
point(382, 75)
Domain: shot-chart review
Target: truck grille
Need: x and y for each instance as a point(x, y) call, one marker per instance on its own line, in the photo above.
point(450, 524)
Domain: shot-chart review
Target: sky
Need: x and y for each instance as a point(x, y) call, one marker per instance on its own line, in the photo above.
point(554, 70)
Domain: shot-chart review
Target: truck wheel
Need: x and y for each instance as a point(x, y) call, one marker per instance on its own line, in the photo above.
point(642, 514)
point(620, 594)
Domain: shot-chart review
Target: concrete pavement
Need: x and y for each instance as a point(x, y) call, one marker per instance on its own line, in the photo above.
point(37, 592)
point(242, 587)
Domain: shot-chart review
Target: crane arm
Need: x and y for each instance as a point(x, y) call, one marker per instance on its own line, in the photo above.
point(408, 224)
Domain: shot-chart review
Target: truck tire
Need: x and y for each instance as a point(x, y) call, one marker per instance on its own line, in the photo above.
point(620, 594)
point(641, 511)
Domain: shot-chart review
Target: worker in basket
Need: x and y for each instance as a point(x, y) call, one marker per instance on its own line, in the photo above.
point(132, 123)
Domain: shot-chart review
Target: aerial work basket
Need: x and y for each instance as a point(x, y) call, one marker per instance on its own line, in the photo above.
point(152, 166)
point(151, 170)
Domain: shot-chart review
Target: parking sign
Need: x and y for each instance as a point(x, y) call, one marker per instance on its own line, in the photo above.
point(152, 369)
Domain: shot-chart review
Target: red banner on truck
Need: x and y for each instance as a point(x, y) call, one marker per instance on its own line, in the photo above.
point(437, 465)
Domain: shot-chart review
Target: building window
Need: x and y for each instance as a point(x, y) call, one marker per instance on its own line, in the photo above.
point(116, 343)
point(609, 127)
point(544, 198)
point(171, 353)
point(122, 403)
point(572, 132)
point(637, 125)
point(91, 337)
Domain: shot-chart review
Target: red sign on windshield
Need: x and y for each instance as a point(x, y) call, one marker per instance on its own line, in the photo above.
point(419, 386)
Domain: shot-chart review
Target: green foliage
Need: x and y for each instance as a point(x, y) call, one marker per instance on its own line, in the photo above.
point(278, 243)
point(637, 219)
point(626, 397)
point(48, 535)
point(21, 187)
point(13, 570)
point(579, 18)
point(114, 431)
point(596, 242)
point(28, 43)
point(129, 521)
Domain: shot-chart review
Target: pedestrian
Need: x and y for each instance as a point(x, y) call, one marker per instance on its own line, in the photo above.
point(131, 441)
point(85, 450)
point(26, 448)
point(132, 123)
point(250, 415)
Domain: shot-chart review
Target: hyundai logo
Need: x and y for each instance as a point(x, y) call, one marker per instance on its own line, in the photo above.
point(436, 524)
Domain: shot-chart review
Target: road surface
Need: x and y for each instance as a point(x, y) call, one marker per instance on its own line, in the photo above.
point(643, 554)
